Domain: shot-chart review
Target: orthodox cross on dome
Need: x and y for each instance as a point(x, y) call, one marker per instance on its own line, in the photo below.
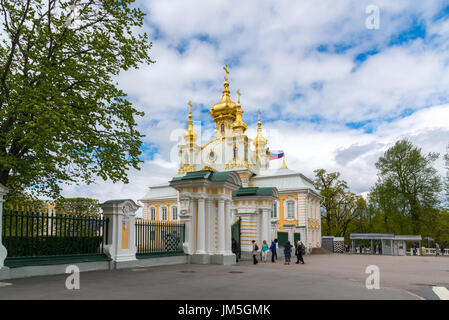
point(190, 105)
point(225, 68)
point(238, 94)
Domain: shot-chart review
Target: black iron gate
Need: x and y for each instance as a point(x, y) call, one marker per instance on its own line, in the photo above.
point(235, 230)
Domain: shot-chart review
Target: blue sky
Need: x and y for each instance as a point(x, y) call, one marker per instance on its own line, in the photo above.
point(333, 93)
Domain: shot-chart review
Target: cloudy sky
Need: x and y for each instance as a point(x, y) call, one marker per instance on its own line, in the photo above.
point(333, 93)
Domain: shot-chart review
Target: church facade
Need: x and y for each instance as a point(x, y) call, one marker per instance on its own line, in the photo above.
point(230, 178)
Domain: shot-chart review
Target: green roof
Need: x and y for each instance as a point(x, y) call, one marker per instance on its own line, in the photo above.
point(204, 174)
point(242, 192)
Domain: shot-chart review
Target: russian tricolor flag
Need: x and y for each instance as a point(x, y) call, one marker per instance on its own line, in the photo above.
point(276, 155)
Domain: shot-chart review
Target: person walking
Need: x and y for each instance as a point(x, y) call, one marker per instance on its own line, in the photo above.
point(255, 250)
point(264, 251)
point(300, 250)
point(273, 250)
point(235, 249)
point(287, 252)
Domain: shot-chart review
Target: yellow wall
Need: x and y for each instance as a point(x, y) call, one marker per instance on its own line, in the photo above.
point(282, 210)
point(158, 205)
point(314, 210)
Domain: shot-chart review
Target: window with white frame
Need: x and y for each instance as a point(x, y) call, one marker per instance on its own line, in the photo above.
point(153, 213)
point(174, 212)
point(274, 210)
point(290, 210)
point(164, 213)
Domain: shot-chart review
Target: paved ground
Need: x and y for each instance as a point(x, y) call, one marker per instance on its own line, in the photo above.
point(322, 277)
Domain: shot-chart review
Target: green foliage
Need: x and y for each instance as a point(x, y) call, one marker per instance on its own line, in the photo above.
point(341, 207)
point(17, 201)
point(78, 205)
point(62, 116)
point(408, 187)
point(446, 181)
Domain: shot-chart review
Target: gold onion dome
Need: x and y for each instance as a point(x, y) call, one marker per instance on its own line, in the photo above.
point(225, 108)
point(238, 123)
point(190, 135)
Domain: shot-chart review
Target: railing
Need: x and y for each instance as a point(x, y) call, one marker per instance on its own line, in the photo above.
point(30, 236)
point(159, 238)
point(432, 252)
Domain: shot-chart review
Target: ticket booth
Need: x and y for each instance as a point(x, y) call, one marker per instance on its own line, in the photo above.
point(391, 244)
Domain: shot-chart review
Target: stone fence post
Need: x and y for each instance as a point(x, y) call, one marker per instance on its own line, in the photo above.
point(3, 252)
point(120, 245)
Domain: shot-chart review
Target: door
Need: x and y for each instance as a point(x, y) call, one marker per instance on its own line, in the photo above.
point(235, 231)
point(282, 238)
point(387, 247)
point(296, 238)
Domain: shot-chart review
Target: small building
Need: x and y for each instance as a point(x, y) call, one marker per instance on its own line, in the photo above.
point(333, 244)
point(390, 243)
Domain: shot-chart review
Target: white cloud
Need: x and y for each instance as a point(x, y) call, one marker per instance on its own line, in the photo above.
point(273, 50)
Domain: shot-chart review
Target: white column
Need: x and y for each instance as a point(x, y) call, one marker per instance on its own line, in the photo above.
point(121, 214)
point(201, 229)
point(228, 222)
point(3, 252)
point(265, 225)
point(210, 219)
point(221, 227)
point(185, 216)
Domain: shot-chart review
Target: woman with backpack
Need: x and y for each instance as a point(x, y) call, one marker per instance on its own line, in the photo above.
point(287, 252)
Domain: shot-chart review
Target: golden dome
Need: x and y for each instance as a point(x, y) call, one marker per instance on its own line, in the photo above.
point(238, 123)
point(225, 108)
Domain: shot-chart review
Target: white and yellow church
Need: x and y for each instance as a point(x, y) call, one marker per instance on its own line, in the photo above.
point(228, 179)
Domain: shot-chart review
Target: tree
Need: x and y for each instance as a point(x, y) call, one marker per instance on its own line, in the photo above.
point(62, 116)
point(446, 182)
point(78, 205)
point(341, 207)
point(407, 185)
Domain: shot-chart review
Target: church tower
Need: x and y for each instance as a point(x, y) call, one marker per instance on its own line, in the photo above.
point(230, 149)
point(262, 152)
point(189, 152)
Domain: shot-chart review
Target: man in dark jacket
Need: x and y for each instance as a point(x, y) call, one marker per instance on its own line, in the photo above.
point(299, 251)
point(273, 250)
point(235, 249)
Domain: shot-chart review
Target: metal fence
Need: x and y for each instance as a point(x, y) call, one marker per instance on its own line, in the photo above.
point(159, 238)
point(32, 237)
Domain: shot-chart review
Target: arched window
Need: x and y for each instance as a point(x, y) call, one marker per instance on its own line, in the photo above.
point(164, 214)
point(222, 127)
point(236, 151)
point(153, 213)
point(174, 213)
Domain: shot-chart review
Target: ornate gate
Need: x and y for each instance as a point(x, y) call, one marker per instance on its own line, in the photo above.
point(235, 230)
